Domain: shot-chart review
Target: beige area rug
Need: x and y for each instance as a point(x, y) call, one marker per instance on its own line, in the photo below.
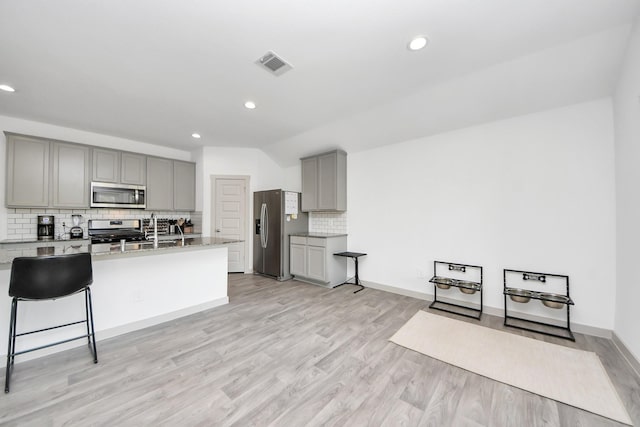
point(570, 376)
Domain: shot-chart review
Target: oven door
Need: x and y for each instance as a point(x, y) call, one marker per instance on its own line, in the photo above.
point(108, 195)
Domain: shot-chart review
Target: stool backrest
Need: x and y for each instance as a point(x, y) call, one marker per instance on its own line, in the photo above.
point(50, 276)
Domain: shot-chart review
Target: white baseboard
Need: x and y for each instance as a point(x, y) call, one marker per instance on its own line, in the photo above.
point(123, 329)
point(627, 354)
point(151, 321)
point(494, 311)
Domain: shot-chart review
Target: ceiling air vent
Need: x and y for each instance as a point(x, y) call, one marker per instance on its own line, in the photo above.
point(274, 64)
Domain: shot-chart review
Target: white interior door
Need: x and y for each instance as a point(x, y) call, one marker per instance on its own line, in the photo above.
point(230, 217)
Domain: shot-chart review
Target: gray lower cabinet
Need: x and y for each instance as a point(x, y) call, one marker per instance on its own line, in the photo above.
point(70, 177)
point(312, 259)
point(324, 182)
point(184, 188)
point(298, 256)
point(159, 183)
point(119, 167)
point(27, 182)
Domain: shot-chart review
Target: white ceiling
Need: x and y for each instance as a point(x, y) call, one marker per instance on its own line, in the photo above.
point(157, 71)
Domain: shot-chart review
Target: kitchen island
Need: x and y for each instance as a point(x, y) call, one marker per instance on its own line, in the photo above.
point(134, 288)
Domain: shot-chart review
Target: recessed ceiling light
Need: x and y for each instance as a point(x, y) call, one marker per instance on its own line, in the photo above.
point(418, 43)
point(250, 105)
point(7, 88)
point(196, 135)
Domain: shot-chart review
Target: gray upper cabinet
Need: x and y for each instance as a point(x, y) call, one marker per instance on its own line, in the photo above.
point(133, 168)
point(106, 165)
point(184, 186)
point(27, 181)
point(119, 167)
point(171, 184)
point(45, 173)
point(159, 183)
point(309, 184)
point(70, 175)
point(324, 182)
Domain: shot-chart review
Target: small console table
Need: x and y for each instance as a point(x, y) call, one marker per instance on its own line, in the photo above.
point(354, 256)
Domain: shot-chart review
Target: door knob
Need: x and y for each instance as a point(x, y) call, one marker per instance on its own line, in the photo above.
point(217, 230)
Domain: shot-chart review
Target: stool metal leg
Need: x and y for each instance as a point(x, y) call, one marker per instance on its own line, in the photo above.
point(90, 335)
point(12, 344)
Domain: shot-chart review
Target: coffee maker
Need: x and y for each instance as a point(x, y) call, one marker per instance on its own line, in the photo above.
point(46, 227)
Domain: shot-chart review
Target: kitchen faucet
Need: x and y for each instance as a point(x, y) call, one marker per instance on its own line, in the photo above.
point(181, 233)
point(154, 221)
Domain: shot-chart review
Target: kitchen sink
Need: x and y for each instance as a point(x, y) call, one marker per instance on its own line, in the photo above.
point(149, 245)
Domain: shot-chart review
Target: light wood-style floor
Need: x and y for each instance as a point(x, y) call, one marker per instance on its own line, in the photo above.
point(286, 354)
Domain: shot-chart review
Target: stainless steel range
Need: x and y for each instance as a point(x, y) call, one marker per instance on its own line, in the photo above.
point(114, 230)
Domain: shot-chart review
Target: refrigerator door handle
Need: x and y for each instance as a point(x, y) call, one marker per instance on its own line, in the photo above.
point(266, 226)
point(263, 224)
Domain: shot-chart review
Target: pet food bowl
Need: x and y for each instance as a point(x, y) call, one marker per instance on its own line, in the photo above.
point(554, 300)
point(470, 290)
point(442, 282)
point(520, 295)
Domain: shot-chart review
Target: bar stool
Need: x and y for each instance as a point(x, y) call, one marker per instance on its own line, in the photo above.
point(49, 278)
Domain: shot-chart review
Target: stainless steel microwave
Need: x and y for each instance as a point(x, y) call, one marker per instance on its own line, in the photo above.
point(109, 195)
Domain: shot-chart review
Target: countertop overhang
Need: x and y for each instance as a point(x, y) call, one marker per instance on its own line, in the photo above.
point(99, 251)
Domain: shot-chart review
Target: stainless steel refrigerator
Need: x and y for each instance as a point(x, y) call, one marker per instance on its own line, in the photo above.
point(276, 215)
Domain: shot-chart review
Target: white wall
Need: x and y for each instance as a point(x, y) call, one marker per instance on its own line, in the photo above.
point(627, 143)
point(534, 192)
point(28, 127)
point(293, 178)
point(263, 172)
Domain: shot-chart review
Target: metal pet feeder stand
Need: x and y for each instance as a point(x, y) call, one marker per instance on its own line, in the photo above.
point(465, 286)
point(551, 300)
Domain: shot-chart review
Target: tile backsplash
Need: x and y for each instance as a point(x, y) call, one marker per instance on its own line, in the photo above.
point(328, 222)
point(22, 223)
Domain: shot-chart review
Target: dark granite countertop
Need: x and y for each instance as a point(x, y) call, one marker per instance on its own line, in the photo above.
point(320, 235)
point(9, 251)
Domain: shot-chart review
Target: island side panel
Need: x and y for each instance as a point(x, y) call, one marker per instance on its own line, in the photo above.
point(128, 294)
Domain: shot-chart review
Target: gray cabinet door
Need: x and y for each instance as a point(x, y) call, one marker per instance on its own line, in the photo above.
point(332, 181)
point(159, 183)
point(133, 168)
point(70, 175)
point(317, 263)
point(27, 172)
point(298, 260)
point(309, 184)
point(184, 186)
point(327, 168)
point(106, 165)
